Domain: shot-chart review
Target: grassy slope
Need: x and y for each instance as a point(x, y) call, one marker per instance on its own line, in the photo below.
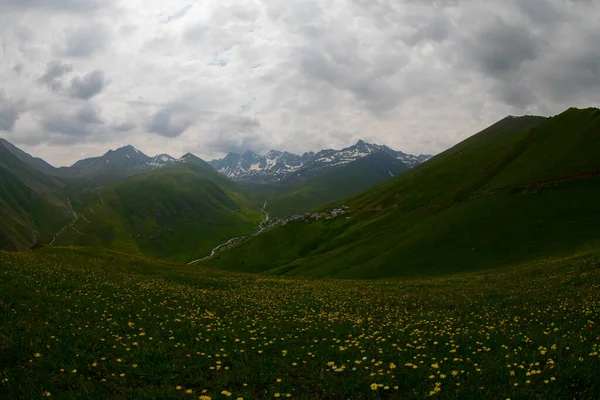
point(177, 213)
point(452, 213)
point(97, 324)
point(30, 208)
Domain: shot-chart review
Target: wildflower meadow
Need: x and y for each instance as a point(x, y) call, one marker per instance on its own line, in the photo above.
point(95, 324)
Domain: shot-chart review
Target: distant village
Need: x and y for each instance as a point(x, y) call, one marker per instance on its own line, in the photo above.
point(274, 222)
point(326, 215)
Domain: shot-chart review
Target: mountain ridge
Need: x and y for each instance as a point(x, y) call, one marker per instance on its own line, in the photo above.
point(278, 165)
point(31, 205)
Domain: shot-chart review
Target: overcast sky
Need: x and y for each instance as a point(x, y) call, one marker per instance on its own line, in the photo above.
point(78, 77)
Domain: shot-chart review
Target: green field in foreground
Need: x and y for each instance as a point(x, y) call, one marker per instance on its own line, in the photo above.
point(84, 324)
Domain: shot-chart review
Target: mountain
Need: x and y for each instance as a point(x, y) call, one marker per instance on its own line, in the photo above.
point(114, 164)
point(299, 194)
point(525, 188)
point(161, 160)
point(31, 206)
point(276, 166)
point(179, 212)
point(34, 162)
point(161, 207)
point(273, 166)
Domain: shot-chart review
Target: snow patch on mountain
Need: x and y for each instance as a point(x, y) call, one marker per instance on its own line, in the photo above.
point(277, 165)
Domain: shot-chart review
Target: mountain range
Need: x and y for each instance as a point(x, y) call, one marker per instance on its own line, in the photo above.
point(522, 189)
point(277, 166)
point(43, 204)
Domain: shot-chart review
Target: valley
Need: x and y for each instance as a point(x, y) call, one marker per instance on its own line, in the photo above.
point(270, 223)
point(474, 274)
point(150, 219)
point(304, 200)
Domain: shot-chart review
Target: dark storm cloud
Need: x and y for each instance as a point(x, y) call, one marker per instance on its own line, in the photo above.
point(88, 115)
point(85, 40)
point(501, 47)
point(54, 71)
point(88, 86)
point(534, 55)
point(576, 72)
point(541, 12)
point(9, 112)
point(167, 122)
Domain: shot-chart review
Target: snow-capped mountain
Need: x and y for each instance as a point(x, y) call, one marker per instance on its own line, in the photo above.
point(274, 165)
point(161, 160)
point(277, 165)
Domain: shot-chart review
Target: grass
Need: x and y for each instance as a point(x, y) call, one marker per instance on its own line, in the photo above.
point(79, 323)
point(31, 207)
point(297, 195)
point(522, 189)
point(177, 213)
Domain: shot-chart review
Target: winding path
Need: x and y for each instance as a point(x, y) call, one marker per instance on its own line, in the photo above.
point(261, 228)
point(69, 224)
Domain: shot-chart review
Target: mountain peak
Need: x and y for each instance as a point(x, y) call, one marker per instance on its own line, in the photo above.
point(127, 149)
point(161, 159)
point(188, 156)
point(278, 165)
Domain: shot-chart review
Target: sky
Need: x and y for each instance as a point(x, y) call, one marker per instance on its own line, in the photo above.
point(79, 77)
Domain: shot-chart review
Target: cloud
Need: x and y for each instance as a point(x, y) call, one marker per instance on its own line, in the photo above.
point(168, 122)
point(88, 115)
point(236, 133)
point(70, 6)
point(54, 71)
point(83, 122)
point(9, 112)
point(178, 14)
point(501, 47)
point(418, 76)
point(17, 68)
point(88, 86)
point(124, 126)
point(85, 40)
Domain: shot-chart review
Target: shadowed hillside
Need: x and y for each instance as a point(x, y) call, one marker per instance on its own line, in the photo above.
point(178, 212)
point(521, 189)
point(31, 209)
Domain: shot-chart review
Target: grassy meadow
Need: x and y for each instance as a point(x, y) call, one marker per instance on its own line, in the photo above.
point(81, 323)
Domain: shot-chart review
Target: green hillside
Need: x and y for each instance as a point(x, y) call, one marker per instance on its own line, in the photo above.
point(299, 195)
point(178, 213)
point(31, 208)
point(522, 189)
